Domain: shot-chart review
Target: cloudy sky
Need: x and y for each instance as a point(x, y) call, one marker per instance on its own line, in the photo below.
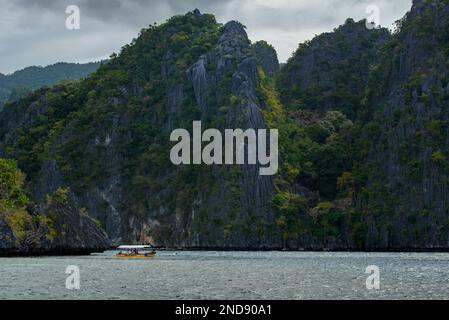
point(33, 32)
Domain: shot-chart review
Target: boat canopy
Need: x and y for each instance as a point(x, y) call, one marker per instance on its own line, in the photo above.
point(134, 247)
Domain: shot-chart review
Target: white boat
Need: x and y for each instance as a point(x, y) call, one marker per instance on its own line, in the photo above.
point(136, 251)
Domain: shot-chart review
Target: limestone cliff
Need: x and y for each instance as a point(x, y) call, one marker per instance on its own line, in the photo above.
point(406, 195)
point(363, 140)
point(267, 57)
point(107, 139)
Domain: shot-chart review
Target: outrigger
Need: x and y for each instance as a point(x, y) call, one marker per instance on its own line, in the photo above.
point(136, 251)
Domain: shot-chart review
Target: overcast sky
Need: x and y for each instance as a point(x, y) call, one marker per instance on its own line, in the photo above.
point(33, 32)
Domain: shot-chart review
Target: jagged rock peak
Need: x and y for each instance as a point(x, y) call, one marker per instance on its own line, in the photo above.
point(235, 28)
point(352, 26)
point(196, 12)
point(266, 56)
point(234, 34)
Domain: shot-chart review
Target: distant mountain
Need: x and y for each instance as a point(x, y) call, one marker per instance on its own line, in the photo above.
point(35, 77)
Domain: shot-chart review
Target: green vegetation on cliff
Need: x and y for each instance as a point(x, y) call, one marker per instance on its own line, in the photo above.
point(22, 82)
point(330, 72)
point(402, 171)
point(363, 122)
point(11, 185)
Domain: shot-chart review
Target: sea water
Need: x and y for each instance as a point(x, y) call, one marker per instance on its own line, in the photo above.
point(229, 275)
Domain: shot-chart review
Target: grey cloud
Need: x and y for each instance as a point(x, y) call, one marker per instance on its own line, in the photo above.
point(33, 32)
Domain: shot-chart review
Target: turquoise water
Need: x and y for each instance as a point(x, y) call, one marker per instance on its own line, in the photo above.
point(229, 275)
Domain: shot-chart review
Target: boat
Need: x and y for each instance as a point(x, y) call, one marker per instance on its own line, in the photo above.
point(136, 251)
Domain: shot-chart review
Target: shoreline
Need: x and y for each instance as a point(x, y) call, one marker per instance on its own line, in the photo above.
point(87, 252)
point(14, 253)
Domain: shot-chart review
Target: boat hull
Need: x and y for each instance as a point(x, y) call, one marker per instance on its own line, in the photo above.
point(135, 256)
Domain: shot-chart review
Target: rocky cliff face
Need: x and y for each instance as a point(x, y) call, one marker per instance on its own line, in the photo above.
point(392, 183)
point(7, 240)
point(322, 89)
point(108, 139)
point(230, 70)
point(363, 139)
point(63, 229)
point(331, 71)
point(267, 57)
point(57, 226)
point(406, 194)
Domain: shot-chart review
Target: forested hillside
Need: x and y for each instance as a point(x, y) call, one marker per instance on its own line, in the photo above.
point(20, 83)
point(363, 136)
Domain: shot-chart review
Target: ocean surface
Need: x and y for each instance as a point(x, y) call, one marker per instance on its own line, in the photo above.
point(229, 275)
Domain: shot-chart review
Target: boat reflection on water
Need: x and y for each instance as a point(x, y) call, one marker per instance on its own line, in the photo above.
point(136, 251)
